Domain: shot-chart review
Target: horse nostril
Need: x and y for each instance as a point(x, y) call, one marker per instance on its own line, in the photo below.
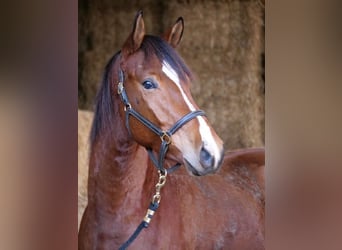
point(206, 159)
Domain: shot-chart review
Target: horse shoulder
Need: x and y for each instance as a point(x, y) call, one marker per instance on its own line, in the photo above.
point(246, 166)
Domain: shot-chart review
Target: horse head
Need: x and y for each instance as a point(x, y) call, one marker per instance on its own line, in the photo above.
point(157, 84)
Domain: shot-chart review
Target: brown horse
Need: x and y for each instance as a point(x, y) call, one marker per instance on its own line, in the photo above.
point(144, 108)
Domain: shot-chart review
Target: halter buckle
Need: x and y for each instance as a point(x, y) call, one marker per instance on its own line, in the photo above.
point(166, 137)
point(120, 88)
point(127, 106)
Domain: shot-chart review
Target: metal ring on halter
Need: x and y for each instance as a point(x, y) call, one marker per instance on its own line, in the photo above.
point(162, 180)
point(166, 137)
point(127, 106)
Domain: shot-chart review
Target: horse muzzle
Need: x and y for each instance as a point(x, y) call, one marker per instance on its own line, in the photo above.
point(206, 164)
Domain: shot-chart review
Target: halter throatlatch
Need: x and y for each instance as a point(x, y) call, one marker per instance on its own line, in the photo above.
point(166, 140)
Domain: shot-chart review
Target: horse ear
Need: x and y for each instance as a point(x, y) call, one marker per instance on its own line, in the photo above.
point(135, 39)
point(175, 33)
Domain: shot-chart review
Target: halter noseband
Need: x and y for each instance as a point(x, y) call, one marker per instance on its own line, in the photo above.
point(165, 136)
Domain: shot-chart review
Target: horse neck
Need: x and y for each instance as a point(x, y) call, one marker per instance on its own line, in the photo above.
point(118, 167)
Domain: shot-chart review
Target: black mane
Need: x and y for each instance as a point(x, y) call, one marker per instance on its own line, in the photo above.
point(103, 114)
point(104, 109)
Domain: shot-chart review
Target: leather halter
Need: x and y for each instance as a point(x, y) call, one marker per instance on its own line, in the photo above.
point(165, 136)
point(166, 140)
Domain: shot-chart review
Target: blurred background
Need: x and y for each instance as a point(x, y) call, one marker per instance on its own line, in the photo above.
point(223, 44)
point(42, 43)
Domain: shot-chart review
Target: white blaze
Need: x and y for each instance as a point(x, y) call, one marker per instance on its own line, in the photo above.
point(205, 132)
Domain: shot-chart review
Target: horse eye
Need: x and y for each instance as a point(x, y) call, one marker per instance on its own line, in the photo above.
point(149, 85)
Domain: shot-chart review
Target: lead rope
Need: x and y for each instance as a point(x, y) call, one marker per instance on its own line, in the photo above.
point(150, 211)
point(166, 139)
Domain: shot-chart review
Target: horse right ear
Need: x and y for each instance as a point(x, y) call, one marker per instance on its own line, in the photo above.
point(175, 33)
point(136, 37)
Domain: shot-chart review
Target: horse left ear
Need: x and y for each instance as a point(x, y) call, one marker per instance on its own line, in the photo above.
point(175, 33)
point(135, 39)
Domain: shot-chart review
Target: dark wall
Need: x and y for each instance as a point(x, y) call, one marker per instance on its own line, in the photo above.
point(223, 44)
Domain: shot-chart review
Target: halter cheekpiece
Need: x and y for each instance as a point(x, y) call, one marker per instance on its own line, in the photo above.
point(166, 140)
